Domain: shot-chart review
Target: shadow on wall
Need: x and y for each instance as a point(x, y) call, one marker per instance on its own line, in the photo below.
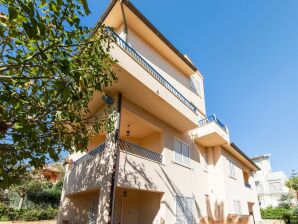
point(174, 191)
point(86, 190)
point(134, 175)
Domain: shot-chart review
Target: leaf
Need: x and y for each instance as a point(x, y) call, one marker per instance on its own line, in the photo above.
point(12, 13)
point(53, 7)
point(43, 3)
point(17, 126)
point(85, 5)
point(29, 30)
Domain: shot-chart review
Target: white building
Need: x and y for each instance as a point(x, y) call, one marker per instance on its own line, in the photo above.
point(270, 185)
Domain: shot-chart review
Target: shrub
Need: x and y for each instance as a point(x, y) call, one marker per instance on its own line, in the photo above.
point(289, 215)
point(28, 214)
point(6, 212)
point(39, 214)
point(273, 213)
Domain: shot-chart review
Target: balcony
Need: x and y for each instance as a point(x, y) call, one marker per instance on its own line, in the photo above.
point(139, 168)
point(140, 151)
point(143, 85)
point(87, 173)
point(211, 132)
point(90, 154)
point(129, 50)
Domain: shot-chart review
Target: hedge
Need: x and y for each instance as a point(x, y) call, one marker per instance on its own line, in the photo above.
point(27, 214)
point(289, 215)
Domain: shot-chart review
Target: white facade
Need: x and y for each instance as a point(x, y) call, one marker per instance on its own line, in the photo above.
point(270, 185)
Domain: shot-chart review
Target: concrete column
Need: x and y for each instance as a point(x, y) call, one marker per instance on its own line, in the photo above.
point(107, 192)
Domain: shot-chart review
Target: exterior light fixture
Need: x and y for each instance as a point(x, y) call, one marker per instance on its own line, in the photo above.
point(128, 131)
point(107, 99)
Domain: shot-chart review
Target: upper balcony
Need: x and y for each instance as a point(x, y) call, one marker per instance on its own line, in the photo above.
point(143, 85)
point(211, 132)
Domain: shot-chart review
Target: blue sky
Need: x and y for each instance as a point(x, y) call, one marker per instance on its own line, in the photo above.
point(248, 53)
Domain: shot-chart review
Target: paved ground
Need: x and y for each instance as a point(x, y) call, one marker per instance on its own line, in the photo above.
point(35, 222)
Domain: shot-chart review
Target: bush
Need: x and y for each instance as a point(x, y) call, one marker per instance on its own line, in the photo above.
point(6, 212)
point(38, 214)
point(45, 194)
point(289, 215)
point(273, 213)
point(28, 214)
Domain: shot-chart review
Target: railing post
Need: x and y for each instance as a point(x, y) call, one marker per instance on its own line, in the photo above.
point(214, 116)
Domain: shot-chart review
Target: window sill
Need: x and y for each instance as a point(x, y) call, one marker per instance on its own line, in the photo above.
point(180, 164)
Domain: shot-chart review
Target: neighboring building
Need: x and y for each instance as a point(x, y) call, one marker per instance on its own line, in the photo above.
point(270, 185)
point(176, 164)
point(52, 172)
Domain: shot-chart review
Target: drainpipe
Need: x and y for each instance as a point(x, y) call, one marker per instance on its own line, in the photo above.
point(115, 163)
point(124, 20)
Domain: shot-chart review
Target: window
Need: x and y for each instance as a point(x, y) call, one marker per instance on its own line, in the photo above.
point(184, 209)
point(232, 169)
point(196, 85)
point(182, 154)
point(237, 207)
point(275, 186)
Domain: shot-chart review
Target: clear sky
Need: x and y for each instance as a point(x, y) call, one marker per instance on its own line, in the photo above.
point(248, 53)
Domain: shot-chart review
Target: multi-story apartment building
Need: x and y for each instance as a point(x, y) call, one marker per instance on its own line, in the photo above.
point(174, 164)
point(270, 185)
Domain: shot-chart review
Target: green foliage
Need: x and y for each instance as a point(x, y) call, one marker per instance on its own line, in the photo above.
point(50, 67)
point(36, 192)
point(273, 213)
point(292, 182)
point(45, 195)
point(286, 200)
point(289, 215)
point(28, 214)
point(38, 214)
point(42, 201)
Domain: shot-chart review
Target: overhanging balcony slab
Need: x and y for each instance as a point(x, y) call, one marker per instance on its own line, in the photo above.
point(140, 87)
point(211, 135)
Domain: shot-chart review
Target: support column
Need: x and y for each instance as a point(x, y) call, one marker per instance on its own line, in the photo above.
point(108, 191)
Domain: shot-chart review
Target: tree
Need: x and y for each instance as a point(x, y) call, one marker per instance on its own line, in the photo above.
point(22, 188)
point(292, 183)
point(50, 67)
point(286, 200)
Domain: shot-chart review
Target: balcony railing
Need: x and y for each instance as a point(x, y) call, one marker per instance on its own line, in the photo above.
point(210, 119)
point(138, 150)
point(90, 154)
point(138, 58)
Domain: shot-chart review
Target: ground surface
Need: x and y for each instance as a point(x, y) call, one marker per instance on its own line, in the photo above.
point(35, 222)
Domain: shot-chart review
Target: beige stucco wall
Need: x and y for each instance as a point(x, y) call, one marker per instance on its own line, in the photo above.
point(236, 189)
point(167, 178)
point(172, 178)
point(159, 183)
point(170, 72)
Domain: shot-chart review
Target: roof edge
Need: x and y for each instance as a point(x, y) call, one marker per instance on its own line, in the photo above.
point(149, 24)
point(244, 155)
point(159, 34)
point(104, 15)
